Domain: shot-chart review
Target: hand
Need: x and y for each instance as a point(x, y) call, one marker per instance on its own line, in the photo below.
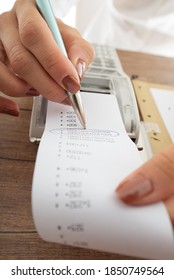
point(8, 107)
point(152, 182)
point(30, 58)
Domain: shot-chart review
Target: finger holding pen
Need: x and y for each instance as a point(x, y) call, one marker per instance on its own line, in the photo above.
point(37, 39)
point(45, 8)
point(69, 82)
point(34, 55)
point(80, 52)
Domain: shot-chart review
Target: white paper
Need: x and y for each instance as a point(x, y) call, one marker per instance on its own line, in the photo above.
point(76, 173)
point(164, 100)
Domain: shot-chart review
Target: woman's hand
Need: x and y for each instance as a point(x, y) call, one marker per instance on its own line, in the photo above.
point(8, 107)
point(152, 182)
point(30, 58)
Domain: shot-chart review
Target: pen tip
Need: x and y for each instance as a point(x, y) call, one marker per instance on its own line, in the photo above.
point(76, 102)
point(82, 120)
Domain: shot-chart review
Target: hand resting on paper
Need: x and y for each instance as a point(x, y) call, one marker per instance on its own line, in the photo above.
point(152, 182)
point(31, 63)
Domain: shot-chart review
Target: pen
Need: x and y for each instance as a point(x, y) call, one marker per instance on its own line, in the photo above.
point(44, 6)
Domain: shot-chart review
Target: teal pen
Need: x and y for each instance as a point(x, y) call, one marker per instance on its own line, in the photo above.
point(44, 7)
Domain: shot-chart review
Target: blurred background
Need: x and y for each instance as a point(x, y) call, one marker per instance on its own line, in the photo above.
point(69, 18)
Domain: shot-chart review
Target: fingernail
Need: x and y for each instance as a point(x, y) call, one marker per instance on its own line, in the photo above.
point(134, 187)
point(11, 110)
point(80, 67)
point(71, 84)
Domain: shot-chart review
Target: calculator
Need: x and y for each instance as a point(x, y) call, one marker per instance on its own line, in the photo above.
point(104, 75)
point(106, 61)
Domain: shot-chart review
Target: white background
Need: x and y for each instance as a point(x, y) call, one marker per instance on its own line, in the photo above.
point(6, 5)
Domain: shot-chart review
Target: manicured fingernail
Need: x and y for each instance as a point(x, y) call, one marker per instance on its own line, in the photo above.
point(80, 67)
point(71, 84)
point(11, 110)
point(134, 187)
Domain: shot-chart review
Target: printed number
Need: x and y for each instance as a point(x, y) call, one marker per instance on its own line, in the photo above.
point(136, 270)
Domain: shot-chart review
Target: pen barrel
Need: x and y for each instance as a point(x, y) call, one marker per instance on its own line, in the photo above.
point(44, 7)
point(46, 10)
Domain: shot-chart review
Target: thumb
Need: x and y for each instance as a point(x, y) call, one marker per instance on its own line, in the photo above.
point(152, 182)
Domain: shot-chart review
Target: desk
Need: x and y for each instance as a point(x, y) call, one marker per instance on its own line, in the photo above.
point(18, 237)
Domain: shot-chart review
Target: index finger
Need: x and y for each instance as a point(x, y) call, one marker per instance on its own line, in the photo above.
point(37, 38)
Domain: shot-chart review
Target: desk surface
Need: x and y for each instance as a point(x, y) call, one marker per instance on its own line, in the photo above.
point(18, 237)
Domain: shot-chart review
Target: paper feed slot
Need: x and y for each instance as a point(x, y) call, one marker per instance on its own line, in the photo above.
point(119, 86)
